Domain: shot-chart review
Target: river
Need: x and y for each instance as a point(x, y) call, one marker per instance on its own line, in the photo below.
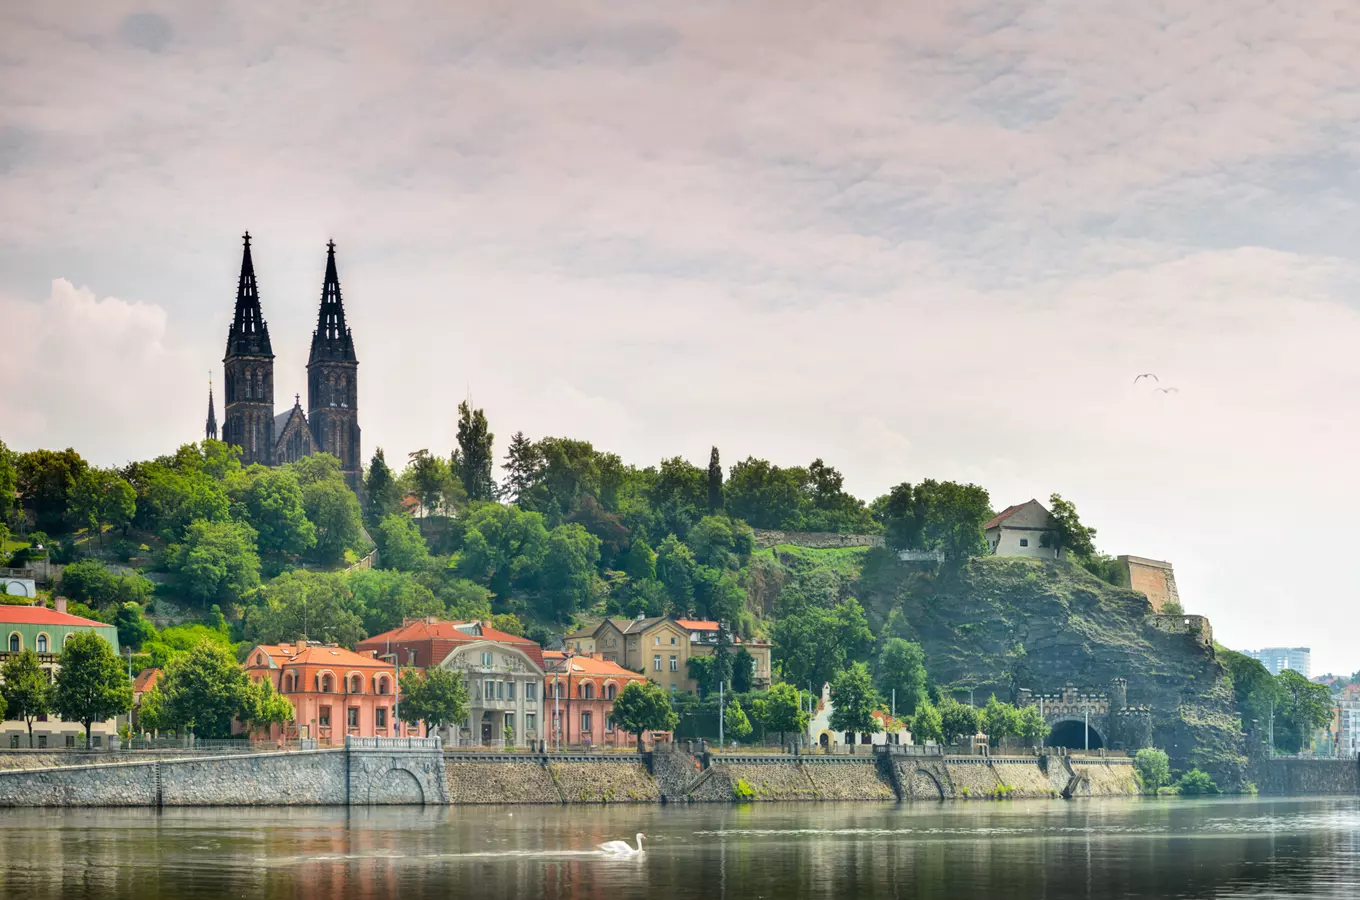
point(1166, 848)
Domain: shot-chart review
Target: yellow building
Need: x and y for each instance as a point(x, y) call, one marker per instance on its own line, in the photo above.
point(661, 647)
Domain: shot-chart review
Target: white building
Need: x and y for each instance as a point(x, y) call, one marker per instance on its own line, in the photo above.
point(1018, 531)
point(1348, 738)
point(505, 686)
point(821, 734)
point(1277, 659)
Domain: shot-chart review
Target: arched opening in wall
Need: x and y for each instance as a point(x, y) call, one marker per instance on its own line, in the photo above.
point(1069, 733)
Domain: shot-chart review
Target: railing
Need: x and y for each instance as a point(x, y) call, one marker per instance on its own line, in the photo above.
point(381, 743)
point(201, 745)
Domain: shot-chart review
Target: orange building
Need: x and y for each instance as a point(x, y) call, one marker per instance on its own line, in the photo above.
point(334, 691)
point(579, 692)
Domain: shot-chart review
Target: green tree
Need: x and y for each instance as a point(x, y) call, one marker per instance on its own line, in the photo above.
point(813, 643)
point(999, 720)
point(523, 469)
point(827, 507)
point(99, 498)
point(382, 496)
point(764, 494)
point(721, 542)
point(901, 666)
point(715, 482)
point(317, 605)
point(1154, 769)
point(955, 514)
point(169, 499)
point(675, 567)
point(26, 692)
point(781, 710)
point(133, 628)
point(502, 546)
point(267, 707)
point(1067, 532)
point(434, 696)
point(463, 599)
point(567, 576)
point(717, 595)
point(89, 581)
point(400, 545)
point(927, 724)
point(217, 561)
point(678, 495)
point(44, 479)
point(92, 685)
point(640, 561)
point(274, 508)
point(1304, 708)
point(854, 700)
point(1030, 726)
point(427, 475)
point(334, 510)
point(1195, 783)
point(643, 706)
point(958, 721)
point(9, 482)
point(903, 518)
point(735, 723)
point(204, 691)
point(1254, 688)
point(389, 598)
point(743, 670)
point(471, 462)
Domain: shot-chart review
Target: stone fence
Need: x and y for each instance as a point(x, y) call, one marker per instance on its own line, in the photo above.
point(1198, 626)
point(817, 540)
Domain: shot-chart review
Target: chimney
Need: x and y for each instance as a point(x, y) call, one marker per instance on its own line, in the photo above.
point(59, 604)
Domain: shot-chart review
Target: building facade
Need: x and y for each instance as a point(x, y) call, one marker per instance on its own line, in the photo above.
point(1277, 659)
point(1019, 531)
point(661, 647)
point(821, 734)
point(579, 692)
point(331, 422)
point(335, 692)
point(45, 631)
point(1154, 578)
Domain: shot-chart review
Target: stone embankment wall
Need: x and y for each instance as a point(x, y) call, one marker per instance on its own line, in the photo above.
point(611, 781)
point(1111, 778)
point(1306, 776)
point(500, 782)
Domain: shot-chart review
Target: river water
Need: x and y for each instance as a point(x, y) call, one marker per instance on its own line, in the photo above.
point(1097, 849)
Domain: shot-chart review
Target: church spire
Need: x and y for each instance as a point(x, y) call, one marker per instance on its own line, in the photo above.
point(331, 340)
point(210, 432)
point(249, 331)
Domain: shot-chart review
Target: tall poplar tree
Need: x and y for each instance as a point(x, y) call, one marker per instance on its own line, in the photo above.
point(523, 465)
point(380, 489)
point(472, 460)
point(715, 482)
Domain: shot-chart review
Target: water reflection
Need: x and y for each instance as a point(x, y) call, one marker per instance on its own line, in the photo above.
point(1156, 849)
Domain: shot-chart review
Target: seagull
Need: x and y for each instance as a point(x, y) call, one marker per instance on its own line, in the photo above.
point(1146, 375)
point(1170, 390)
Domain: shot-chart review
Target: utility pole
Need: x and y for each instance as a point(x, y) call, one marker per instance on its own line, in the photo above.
point(720, 714)
point(894, 704)
point(1086, 725)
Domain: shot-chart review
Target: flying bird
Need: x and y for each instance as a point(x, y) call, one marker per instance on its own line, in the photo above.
point(1171, 390)
point(1146, 375)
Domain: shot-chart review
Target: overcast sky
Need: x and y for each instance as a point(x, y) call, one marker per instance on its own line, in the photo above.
point(917, 239)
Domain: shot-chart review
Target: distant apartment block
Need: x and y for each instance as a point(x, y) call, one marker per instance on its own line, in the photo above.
point(1277, 659)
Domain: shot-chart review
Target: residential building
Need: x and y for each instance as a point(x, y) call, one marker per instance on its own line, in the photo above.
point(1277, 659)
point(503, 674)
point(1348, 732)
point(45, 631)
point(578, 699)
point(335, 692)
point(143, 684)
point(1019, 531)
point(821, 734)
point(1154, 578)
point(660, 648)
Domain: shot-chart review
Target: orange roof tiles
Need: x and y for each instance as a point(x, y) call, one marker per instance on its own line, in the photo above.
point(443, 635)
point(41, 615)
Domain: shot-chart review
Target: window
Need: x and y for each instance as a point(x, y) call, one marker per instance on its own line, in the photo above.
point(585, 723)
point(352, 717)
point(672, 688)
point(14, 643)
point(382, 685)
point(609, 691)
point(587, 691)
point(356, 685)
point(380, 717)
point(531, 723)
point(531, 691)
point(672, 640)
point(70, 740)
point(509, 690)
point(490, 690)
point(323, 718)
point(675, 664)
point(42, 742)
point(658, 640)
point(509, 723)
point(608, 724)
point(292, 682)
point(656, 663)
point(1024, 542)
point(42, 643)
point(14, 742)
point(259, 659)
point(410, 657)
point(486, 658)
point(325, 683)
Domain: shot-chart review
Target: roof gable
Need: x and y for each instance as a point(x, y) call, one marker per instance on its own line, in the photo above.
point(1030, 514)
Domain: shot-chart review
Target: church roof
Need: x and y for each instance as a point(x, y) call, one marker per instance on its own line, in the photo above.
point(249, 334)
point(331, 342)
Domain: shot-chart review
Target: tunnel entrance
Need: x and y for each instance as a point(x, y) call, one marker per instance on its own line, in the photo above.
point(1068, 733)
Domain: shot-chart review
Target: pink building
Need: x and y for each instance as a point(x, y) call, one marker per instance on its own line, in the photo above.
point(334, 691)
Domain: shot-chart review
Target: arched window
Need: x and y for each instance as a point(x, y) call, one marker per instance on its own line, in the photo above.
point(325, 683)
point(292, 682)
point(259, 659)
point(587, 691)
point(609, 691)
point(42, 643)
point(356, 685)
point(15, 643)
point(381, 685)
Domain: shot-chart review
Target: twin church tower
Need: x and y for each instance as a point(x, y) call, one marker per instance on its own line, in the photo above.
point(331, 422)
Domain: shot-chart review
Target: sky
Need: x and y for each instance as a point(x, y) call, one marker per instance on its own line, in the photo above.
point(923, 239)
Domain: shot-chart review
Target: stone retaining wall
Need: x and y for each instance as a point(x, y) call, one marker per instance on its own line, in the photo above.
point(974, 780)
point(1306, 776)
point(818, 540)
point(1024, 780)
point(848, 781)
point(1106, 779)
point(129, 784)
point(604, 782)
point(775, 781)
point(674, 772)
point(500, 782)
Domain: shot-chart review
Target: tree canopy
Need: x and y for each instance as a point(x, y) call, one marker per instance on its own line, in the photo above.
point(92, 685)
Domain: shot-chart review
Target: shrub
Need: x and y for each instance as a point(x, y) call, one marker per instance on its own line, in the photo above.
point(1153, 768)
point(1196, 783)
point(743, 792)
point(124, 550)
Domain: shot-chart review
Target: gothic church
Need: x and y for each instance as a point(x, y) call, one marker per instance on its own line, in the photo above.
point(331, 422)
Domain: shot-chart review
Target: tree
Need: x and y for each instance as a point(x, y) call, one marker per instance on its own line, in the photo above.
point(643, 706)
point(9, 481)
point(1195, 782)
point(764, 494)
point(99, 497)
point(471, 462)
point(927, 724)
point(826, 506)
point(217, 561)
point(640, 562)
point(1030, 726)
point(903, 518)
point(388, 598)
point(317, 605)
point(743, 670)
point(430, 480)
point(204, 691)
point(502, 546)
point(1067, 532)
point(25, 690)
point(1304, 708)
point(381, 494)
point(735, 722)
point(854, 700)
point(92, 685)
point(955, 514)
point(44, 479)
point(267, 707)
point(781, 710)
point(334, 510)
point(901, 666)
point(1154, 769)
point(133, 628)
point(568, 572)
point(813, 643)
point(999, 720)
point(715, 482)
point(717, 594)
point(957, 721)
point(400, 544)
point(1254, 688)
point(274, 508)
point(434, 696)
point(523, 469)
point(721, 542)
point(675, 570)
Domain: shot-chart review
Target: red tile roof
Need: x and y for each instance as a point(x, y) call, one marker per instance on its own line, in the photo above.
point(41, 615)
point(315, 655)
point(589, 664)
point(443, 636)
point(1002, 516)
point(145, 680)
point(697, 624)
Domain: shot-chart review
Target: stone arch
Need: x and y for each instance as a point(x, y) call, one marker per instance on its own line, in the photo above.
point(924, 786)
point(1067, 732)
point(396, 787)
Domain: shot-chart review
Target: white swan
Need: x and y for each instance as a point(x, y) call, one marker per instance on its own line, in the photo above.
point(623, 848)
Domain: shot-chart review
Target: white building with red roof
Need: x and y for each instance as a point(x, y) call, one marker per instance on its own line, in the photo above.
point(1019, 531)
